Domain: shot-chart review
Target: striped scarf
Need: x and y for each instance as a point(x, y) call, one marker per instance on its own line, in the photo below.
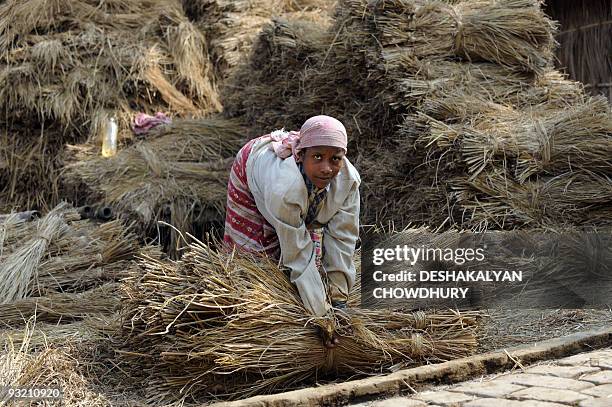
point(316, 196)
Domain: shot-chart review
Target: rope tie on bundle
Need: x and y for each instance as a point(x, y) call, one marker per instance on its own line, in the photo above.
point(545, 140)
point(420, 320)
point(331, 363)
point(418, 345)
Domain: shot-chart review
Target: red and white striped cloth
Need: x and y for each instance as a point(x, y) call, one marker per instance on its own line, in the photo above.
point(245, 226)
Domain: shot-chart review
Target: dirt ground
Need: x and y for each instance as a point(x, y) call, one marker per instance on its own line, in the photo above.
point(505, 328)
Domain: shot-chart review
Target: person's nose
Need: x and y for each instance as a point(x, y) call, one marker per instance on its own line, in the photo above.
point(326, 169)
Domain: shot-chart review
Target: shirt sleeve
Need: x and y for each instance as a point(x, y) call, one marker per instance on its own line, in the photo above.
point(339, 241)
point(296, 246)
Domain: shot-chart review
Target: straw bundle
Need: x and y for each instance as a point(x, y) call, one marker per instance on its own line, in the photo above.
point(231, 27)
point(539, 140)
point(19, 268)
point(178, 174)
point(67, 62)
point(495, 200)
point(516, 34)
point(60, 253)
point(62, 307)
point(232, 325)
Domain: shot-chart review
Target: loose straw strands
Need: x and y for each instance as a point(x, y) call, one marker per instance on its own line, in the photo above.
point(47, 367)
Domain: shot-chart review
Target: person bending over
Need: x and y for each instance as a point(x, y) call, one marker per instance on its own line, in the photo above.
point(294, 196)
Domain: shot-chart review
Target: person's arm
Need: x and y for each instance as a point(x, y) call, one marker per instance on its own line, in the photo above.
point(339, 241)
point(296, 245)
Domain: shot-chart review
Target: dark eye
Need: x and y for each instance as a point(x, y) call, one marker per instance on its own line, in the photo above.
point(317, 156)
point(337, 158)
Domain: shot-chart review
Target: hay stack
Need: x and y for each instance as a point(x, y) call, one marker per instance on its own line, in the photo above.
point(67, 62)
point(61, 253)
point(179, 174)
point(234, 326)
point(473, 118)
point(67, 66)
point(232, 26)
point(266, 91)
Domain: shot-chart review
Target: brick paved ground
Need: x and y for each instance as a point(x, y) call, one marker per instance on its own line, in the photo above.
point(583, 380)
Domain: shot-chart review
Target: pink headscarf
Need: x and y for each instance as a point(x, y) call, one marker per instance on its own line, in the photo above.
point(316, 131)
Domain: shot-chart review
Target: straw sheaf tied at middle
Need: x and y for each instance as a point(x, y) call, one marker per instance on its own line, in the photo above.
point(235, 319)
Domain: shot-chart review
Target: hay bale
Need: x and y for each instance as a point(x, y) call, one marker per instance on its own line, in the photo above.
point(178, 174)
point(231, 324)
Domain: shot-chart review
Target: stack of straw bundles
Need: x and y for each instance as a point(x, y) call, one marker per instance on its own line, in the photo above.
point(178, 174)
point(67, 66)
point(61, 253)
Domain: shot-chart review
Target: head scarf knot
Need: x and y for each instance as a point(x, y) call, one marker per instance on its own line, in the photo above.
point(316, 131)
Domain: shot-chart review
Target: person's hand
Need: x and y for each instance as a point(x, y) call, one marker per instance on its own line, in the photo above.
point(331, 343)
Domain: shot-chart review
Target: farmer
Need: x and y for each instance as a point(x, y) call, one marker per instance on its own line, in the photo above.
point(294, 196)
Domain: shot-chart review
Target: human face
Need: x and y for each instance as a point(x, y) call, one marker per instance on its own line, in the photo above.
point(322, 164)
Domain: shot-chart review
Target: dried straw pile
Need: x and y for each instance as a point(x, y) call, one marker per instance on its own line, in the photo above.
point(498, 139)
point(178, 174)
point(49, 267)
point(229, 325)
point(298, 69)
point(28, 362)
point(67, 66)
point(231, 26)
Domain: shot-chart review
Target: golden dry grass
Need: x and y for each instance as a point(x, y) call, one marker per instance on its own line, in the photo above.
point(228, 325)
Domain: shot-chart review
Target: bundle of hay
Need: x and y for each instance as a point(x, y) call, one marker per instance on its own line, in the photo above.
point(61, 253)
point(231, 26)
point(69, 66)
point(178, 174)
point(62, 307)
point(230, 325)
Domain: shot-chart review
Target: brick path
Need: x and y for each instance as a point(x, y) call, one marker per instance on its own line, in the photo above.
point(583, 380)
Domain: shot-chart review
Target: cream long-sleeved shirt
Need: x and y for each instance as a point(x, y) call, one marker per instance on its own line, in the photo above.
point(282, 198)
